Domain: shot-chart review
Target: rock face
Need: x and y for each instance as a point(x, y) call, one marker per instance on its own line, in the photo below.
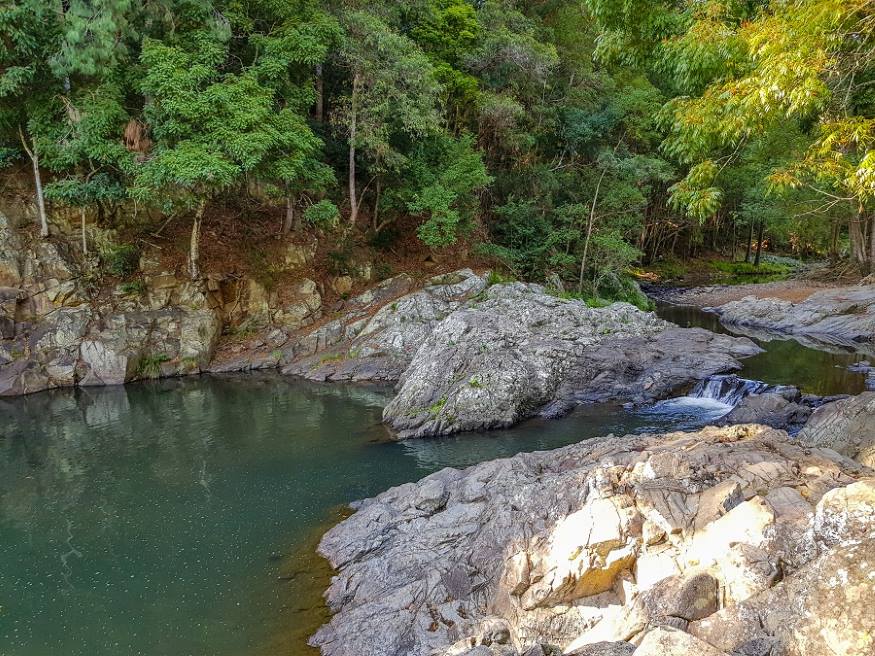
point(844, 315)
point(471, 356)
point(726, 541)
point(55, 331)
point(847, 426)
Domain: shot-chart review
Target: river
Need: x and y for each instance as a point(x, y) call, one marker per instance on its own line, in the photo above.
point(179, 517)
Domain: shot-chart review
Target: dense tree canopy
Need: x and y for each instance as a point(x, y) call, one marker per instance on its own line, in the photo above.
point(567, 139)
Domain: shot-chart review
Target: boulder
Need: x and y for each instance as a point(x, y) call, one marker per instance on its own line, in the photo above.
point(771, 409)
point(846, 426)
point(844, 315)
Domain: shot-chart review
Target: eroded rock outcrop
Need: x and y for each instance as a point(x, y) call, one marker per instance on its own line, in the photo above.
point(56, 331)
point(843, 315)
point(469, 355)
point(725, 541)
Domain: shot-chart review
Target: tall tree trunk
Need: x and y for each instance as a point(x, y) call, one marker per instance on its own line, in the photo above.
point(734, 240)
point(376, 214)
point(756, 261)
point(38, 184)
point(84, 238)
point(589, 225)
point(353, 197)
point(320, 95)
point(194, 254)
point(749, 241)
point(872, 243)
point(833, 242)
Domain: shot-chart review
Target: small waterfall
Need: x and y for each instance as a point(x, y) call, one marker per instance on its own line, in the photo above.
point(710, 400)
point(728, 389)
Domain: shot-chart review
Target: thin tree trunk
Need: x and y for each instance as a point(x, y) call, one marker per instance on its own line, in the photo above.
point(194, 255)
point(375, 223)
point(353, 199)
point(855, 233)
point(872, 243)
point(833, 242)
point(749, 241)
point(38, 183)
point(589, 226)
point(734, 240)
point(289, 221)
point(756, 261)
point(84, 238)
point(320, 95)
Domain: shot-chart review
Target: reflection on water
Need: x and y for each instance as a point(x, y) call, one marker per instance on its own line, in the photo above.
point(167, 517)
point(815, 367)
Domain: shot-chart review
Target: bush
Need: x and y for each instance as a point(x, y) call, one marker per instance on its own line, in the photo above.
point(750, 269)
point(323, 214)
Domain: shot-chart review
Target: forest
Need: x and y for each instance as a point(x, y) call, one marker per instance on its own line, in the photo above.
point(564, 139)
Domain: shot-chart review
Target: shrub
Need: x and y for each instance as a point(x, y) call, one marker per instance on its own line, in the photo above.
point(323, 214)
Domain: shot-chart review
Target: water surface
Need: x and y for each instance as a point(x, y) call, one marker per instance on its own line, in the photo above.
point(180, 517)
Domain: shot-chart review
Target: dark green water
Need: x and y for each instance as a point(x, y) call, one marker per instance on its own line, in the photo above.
point(155, 519)
point(815, 368)
point(179, 517)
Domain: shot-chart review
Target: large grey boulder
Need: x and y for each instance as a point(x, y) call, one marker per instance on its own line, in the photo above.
point(847, 426)
point(606, 542)
point(773, 409)
point(468, 355)
point(517, 350)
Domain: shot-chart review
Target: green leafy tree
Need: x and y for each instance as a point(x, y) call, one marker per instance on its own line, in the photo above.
point(211, 127)
point(28, 85)
point(393, 95)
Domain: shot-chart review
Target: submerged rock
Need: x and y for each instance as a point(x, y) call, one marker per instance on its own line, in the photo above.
point(730, 540)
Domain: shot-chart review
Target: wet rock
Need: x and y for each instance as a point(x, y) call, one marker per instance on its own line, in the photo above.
point(714, 542)
point(771, 409)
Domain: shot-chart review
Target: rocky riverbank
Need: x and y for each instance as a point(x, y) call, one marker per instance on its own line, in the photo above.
point(725, 541)
point(842, 316)
point(466, 354)
point(469, 355)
